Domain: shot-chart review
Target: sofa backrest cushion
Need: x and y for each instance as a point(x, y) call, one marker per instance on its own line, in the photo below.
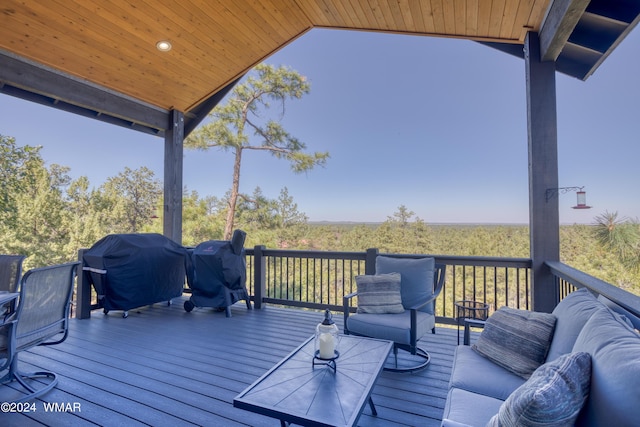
point(571, 315)
point(615, 371)
point(632, 320)
point(553, 395)
point(517, 340)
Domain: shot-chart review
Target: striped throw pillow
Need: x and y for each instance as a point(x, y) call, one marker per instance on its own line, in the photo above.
point(517, 340)
point(379, 294)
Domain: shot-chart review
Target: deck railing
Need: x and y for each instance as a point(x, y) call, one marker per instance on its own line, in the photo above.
point(319, 279)
point(568, 279)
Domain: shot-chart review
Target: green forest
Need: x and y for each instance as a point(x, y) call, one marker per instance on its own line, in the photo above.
point(48, 216)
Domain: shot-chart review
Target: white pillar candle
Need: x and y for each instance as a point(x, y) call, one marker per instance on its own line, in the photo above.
point(327, 346)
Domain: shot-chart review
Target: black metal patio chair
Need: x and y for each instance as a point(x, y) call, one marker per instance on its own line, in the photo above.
point(41, 318)
point(405, 318)
point(10, 272)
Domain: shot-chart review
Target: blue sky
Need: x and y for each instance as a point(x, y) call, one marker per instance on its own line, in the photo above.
point(437, 125)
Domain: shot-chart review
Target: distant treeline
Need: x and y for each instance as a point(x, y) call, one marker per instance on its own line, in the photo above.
point(47, 216)
point(579, 244)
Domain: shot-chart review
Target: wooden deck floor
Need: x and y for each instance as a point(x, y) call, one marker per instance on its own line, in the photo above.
point(162, 366)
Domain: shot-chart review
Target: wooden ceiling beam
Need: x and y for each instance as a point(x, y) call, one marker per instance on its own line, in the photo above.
point(71, 92)
point(562, 17)
point(197, 114)
point(47, 101)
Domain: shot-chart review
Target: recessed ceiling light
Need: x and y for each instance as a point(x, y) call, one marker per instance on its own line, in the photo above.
point(163, 46)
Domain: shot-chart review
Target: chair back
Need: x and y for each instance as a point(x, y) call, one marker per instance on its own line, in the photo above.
point(439, 273)
point(43, 305)
point(10, 272)
point(422, 279)
point(237, 241)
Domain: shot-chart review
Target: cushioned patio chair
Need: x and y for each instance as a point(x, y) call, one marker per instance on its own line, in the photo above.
point(41, 318)
point(397, 304)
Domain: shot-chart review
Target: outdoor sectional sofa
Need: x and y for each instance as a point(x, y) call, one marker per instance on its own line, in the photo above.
point(589, 373)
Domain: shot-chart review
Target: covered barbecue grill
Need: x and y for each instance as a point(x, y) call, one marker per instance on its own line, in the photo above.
point(133, 270)
point(217, 274)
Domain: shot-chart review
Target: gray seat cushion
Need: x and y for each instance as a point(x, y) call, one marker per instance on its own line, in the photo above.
point(416, 278)
point(475, 373)
point(571, 315)
point(393, 327)
point(615, 371)
point(467, 408)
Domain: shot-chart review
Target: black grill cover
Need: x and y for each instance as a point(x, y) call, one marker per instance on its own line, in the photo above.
point(132, 270)
point(215, 263)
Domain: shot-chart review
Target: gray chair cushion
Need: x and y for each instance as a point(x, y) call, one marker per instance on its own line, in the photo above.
point(517, 340)
point(416, 278)
point(615, 371)
point(393, 327)
point(552, 396)
point(379, 294)
point(475, 373)
point(571, 315)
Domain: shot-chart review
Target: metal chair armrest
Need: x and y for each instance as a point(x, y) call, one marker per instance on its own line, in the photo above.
point(8, 318)
point(349, 296)
point(346, 308)
point(423, 303)
point(468, 324)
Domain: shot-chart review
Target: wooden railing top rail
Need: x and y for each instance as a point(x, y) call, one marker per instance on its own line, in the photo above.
point(578, 278)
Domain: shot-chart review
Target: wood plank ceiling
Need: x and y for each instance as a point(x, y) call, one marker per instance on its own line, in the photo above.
point(113, 43)
point(98, 58)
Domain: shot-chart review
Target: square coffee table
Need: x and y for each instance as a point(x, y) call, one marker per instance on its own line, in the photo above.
point(295, 391)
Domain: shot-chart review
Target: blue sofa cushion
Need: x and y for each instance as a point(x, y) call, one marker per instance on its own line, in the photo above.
point(465, 408)
point(553, 395)
point(379, 294)
point(615, 371)
point(631, 319)
point(392, 327)
point(476, 373)
point(416, 281)
point(571, 315)
point(517, 340)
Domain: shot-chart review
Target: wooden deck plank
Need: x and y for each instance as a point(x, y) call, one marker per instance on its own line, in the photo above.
point(164, 366)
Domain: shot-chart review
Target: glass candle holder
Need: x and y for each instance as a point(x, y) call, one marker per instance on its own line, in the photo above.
point(326, 341)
